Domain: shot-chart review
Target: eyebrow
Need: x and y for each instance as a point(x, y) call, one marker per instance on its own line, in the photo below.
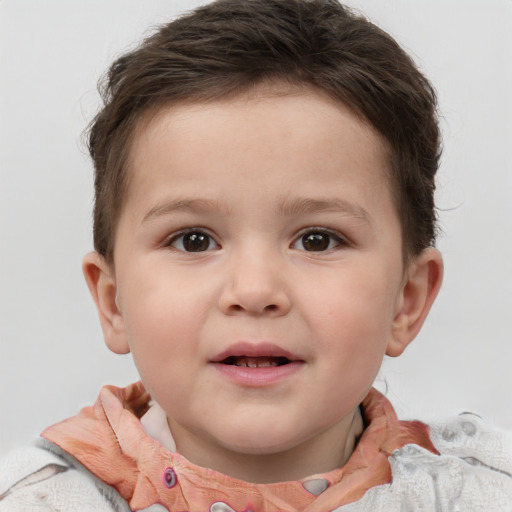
point(298, 205)
point(186, 205)
point(287, 206)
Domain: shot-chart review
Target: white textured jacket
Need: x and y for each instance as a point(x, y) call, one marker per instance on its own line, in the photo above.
point(471, 472)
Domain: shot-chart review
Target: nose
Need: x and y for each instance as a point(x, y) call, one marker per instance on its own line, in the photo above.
point(255, 285)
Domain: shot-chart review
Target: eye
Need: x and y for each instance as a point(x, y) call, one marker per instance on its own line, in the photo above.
point(318, 240)
point(193, 241)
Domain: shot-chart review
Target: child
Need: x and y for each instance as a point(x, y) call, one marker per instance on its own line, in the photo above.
point(264, 230)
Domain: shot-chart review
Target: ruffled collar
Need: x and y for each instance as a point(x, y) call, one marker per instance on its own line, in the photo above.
point(110, 441)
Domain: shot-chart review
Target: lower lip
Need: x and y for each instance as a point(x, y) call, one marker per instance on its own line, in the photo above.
point(258, 377)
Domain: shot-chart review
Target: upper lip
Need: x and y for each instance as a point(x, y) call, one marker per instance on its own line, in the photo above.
point(254, 349)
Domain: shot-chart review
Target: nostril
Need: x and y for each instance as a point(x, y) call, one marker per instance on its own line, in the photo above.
point(238, 308)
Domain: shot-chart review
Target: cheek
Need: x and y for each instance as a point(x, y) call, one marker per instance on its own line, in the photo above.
point(165, 349)
point(164, 301)
point(165, 321)
point(354, 336)
point(354, 313)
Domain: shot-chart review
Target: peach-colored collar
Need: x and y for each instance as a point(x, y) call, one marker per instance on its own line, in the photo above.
point(109, 440)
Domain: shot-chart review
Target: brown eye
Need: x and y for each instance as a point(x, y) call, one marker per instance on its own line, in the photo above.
point(316, 241)
point(194, 241)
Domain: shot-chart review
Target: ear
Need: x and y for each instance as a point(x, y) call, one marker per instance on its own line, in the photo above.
point(422, 281)
point(101, 281)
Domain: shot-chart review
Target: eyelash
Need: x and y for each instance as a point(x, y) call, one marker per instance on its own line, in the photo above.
point(177, 240)
point(334, 237)
point(180, 235)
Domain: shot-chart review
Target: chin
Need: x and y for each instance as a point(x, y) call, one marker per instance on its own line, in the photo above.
point(260, 442)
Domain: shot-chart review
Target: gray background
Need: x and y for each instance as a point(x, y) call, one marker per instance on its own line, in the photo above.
point(52, 358)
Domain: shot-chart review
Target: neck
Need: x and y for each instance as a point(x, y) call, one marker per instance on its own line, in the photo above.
point(328, 451)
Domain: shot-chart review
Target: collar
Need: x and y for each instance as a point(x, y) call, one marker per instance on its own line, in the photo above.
point(155, 424)
point(110, 441)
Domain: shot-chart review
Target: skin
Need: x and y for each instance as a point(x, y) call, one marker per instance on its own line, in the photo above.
point(253, 176)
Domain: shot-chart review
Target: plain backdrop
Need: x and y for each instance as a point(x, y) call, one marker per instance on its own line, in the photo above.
point(52, 357)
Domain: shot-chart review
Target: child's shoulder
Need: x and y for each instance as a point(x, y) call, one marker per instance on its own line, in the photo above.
point(41, 477)
point(472, 472)
point(475, 441)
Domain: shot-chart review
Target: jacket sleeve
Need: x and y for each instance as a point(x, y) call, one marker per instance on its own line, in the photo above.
point(43, 478)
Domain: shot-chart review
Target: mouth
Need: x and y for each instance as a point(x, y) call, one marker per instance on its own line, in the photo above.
point(255, 362)
point(257, 371)
point(255, 355)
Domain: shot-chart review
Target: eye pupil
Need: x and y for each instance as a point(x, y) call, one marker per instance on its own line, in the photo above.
point(315, 242)
point(196, 242)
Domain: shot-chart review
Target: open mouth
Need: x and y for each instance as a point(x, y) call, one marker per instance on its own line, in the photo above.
point(255, 362)
point(257, 365)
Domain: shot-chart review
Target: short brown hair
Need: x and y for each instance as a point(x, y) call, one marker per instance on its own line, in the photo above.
point(230, 46)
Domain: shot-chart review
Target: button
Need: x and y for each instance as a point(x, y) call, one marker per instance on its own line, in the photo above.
point(316, 486)
point(170, 479)
point(448, 434)
point(220, 506)
point(468, 428)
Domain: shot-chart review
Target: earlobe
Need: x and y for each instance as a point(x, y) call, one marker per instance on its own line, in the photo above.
point(102, 285)
point(423, 281)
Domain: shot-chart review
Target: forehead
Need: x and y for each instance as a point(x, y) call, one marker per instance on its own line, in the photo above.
point(266, 121)
point(262, 139)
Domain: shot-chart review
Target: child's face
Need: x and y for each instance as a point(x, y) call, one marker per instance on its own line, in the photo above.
point(257, 231)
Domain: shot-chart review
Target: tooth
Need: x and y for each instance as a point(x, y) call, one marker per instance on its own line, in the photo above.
point(255, 362)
